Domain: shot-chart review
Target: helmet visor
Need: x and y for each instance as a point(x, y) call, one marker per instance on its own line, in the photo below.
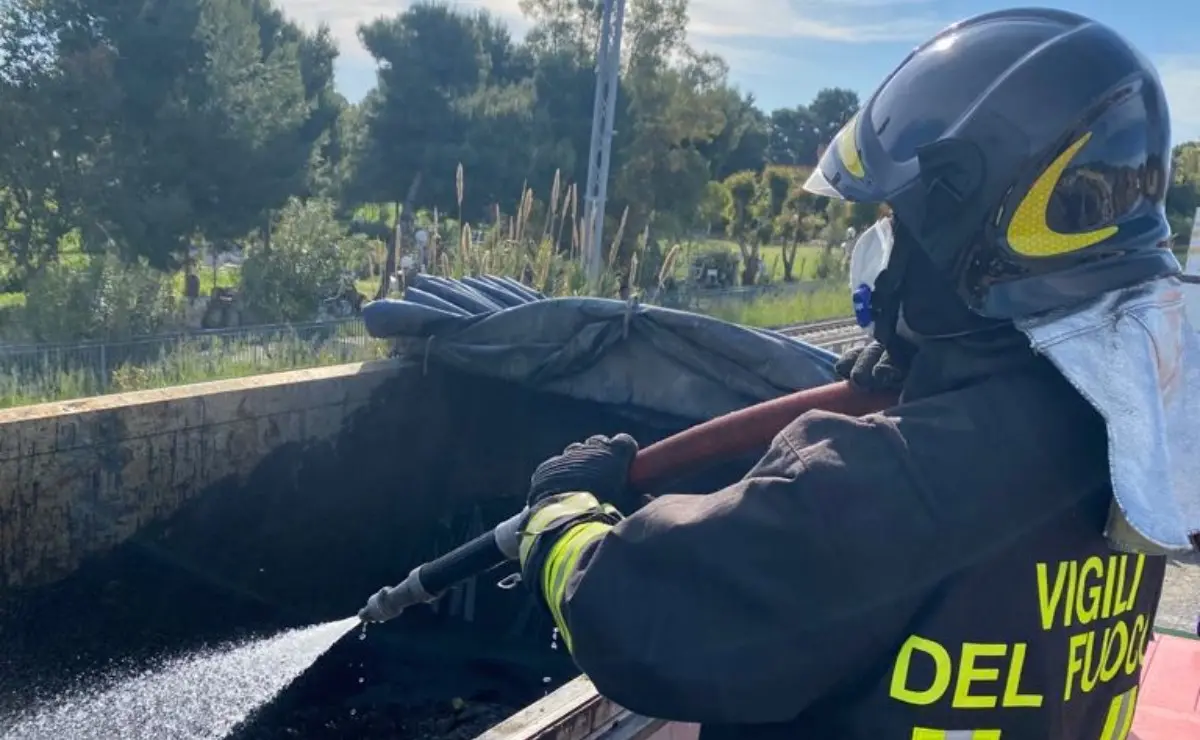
point(843, 172)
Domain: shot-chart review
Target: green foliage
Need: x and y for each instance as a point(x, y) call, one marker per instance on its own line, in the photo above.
point(208, 113)
point(1183, 194)
point(306, 262)
point(798, 134)
point(714, 207)
point(100, 298)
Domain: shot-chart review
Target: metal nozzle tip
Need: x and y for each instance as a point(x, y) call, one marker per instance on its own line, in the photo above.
point(388, 603)
point(377, 608)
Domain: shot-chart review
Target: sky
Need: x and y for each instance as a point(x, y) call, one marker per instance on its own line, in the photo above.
point(784, 51)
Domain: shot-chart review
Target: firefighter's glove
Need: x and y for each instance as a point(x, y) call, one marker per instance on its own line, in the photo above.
point(599, 466)
point(571, 499)
point(872, 368)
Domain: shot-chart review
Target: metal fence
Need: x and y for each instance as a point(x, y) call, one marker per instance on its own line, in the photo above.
point(40, 372)
point(46, 371)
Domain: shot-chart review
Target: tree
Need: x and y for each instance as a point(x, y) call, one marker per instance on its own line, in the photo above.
point(743, 226)
point(435, 86)
point(798, 134)
point(714, 206)
point(830, 110)
point(800, 219)
point(164, 121)
point(1183, 193)
point(743, 140)
point(795, 137)
point(674, 96)
point(45, 105)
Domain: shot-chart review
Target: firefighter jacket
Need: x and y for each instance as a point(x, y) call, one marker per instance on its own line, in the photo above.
point(934, 572)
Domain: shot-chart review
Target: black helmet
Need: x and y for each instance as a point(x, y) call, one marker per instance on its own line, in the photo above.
point(1026, 152)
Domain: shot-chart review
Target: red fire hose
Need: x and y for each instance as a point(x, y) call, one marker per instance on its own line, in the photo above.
point(747, 430)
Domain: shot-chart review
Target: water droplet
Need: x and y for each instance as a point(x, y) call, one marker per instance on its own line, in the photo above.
point(363, 635)
point(545, 679)
point(353, 712)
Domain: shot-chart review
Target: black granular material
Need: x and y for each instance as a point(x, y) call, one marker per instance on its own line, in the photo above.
point(307, 537)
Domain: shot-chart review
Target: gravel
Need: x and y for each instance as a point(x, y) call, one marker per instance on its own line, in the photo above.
point(1179, 607)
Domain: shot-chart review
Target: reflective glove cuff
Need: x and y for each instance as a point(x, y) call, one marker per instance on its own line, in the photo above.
point(557, 533)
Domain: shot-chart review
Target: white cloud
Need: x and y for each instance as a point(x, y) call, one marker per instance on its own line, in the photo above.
point(733, 28)
point(344, 18)
point(854, 21)
point(851, 21)
point(1181, 77)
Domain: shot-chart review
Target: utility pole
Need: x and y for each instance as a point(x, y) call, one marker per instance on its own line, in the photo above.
point(608, 70)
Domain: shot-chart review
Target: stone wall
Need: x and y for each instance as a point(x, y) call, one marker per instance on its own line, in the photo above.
point(80, 477)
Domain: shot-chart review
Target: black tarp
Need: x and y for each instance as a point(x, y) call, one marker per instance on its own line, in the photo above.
point(643, 358)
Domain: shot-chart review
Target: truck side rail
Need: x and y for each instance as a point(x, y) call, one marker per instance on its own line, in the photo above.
point(577, 712)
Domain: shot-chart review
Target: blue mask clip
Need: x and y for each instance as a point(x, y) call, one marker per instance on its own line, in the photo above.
point(862, 305)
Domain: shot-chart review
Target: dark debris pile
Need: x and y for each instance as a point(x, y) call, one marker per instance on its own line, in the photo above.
point(411, 682)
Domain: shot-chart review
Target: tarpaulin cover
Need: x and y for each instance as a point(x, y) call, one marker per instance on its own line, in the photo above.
point(644, 358)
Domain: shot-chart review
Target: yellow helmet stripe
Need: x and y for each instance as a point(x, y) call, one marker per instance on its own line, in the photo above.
point(1029, 232)
point(847, 148)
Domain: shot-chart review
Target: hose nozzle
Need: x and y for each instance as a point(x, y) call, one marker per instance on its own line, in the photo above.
point(390, 602)
point(426, 582)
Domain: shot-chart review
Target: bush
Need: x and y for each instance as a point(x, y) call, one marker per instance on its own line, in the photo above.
point(98, 297)
point(308, 260)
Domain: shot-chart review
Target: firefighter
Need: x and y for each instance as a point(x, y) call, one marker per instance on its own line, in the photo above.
point(939, 570)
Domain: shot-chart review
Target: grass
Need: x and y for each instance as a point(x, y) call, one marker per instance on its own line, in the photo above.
point(829, 301)
point(189, 360)
point(227, 276)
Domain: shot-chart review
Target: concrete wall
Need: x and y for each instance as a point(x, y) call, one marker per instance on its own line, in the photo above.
point(78, 478)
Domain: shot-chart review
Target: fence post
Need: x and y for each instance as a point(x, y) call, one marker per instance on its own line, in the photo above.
point(104, 367)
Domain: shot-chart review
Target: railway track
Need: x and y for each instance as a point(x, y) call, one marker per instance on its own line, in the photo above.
point(834, 335)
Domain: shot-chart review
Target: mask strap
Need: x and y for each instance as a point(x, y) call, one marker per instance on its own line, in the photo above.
point(885, 299)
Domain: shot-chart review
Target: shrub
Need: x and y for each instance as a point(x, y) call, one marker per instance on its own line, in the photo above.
point(98, 297)
point(309, 257)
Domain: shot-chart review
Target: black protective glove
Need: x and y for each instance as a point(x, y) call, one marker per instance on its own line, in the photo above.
point(873, 368)
point(599, 466)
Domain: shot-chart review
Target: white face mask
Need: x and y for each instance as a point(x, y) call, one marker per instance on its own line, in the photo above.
point(868, 259)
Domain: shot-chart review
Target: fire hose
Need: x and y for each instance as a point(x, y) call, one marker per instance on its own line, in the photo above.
point(723, 438)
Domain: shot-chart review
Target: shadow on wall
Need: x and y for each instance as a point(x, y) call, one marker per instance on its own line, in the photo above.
point(317, 528)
